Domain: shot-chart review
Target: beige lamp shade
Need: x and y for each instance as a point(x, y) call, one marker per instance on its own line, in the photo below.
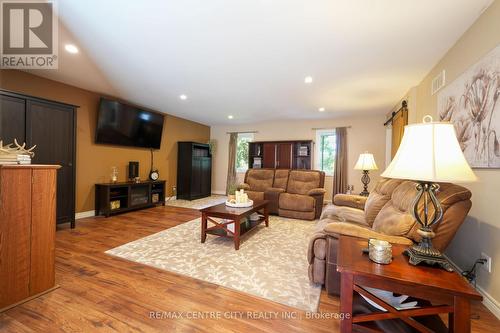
point(430, 151)
point(366, 162)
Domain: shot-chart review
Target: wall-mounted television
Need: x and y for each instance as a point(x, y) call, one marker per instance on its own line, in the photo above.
point(126, 125)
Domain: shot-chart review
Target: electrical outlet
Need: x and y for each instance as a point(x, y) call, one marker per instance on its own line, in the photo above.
point(174, 190)
point(487, 265)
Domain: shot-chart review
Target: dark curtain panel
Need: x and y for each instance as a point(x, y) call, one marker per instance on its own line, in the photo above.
point(340, 172)
point(231, 166)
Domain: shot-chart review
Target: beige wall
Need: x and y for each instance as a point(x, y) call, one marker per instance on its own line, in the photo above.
point(366, 133)
point(94, 162)
point(481, 230)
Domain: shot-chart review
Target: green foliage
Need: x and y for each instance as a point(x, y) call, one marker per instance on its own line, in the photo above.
point(242, 153)
point(232, 189)
point(327, 158)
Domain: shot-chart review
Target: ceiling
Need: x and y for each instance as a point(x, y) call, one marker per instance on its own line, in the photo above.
point(249, 58)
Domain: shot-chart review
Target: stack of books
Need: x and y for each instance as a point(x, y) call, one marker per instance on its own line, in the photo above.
point(14, 159)
point(257, 162)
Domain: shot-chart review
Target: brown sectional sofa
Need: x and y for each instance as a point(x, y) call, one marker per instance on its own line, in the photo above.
point(291, 193)
point(385, 214)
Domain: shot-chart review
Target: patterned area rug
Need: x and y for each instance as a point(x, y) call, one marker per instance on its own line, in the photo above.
point(198, 203)
point(271, 262)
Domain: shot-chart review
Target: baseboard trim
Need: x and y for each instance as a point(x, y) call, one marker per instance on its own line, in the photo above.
point(174, 197)
point(82, 215)
point(219, 192)
point(488, 301)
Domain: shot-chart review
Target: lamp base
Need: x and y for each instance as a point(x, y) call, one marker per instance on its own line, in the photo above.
point(428, 255)
point(365, 179)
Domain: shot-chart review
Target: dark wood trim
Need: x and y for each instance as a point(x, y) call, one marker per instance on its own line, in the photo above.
point(404, 106)
point(34, 98)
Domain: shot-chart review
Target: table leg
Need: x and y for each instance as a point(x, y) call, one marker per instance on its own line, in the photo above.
point(237, 234)
point(266, 215)
point(203, 227)
point(460, 320)
point(346, 290)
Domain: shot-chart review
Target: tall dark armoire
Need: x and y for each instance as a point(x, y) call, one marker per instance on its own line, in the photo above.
point(194, 170)
point(51, 127)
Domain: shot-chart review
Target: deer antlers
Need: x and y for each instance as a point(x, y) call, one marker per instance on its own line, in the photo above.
point(17, 150)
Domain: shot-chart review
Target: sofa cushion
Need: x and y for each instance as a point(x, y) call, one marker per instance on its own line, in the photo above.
point(300, 181)
point(281, 178)
point(379, 196)
point(344, 213)
point(260, 179)
point(255, 195)
point(350, 200)
point(300, 203)
point(395, 217)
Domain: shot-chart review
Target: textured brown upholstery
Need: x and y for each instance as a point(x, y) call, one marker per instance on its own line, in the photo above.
point(354, 201)
point(389, 205)
point(281, 178)
point(304, 195)
point(291, 193)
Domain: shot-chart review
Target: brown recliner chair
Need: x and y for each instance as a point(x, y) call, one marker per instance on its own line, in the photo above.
point(385, 214)
point(304, 194)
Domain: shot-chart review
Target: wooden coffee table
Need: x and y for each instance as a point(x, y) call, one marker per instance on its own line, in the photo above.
point(234, 217)
point(448, 291)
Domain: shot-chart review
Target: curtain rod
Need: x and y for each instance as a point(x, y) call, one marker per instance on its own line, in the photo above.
point(404, 105)
point(244, 132)
point(324, 128)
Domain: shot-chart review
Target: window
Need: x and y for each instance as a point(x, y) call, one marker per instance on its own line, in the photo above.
point(326, 144)
point(242, 151)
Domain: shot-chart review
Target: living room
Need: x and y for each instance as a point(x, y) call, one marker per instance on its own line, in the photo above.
point(148, 131)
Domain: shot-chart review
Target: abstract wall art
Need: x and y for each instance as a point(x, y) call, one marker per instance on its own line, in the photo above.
point(471, 103)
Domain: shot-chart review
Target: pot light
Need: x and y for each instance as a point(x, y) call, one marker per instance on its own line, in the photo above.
point(71, 48)
point(308, 80)
point(322, 109)
point(230, 116)
point(183, 97)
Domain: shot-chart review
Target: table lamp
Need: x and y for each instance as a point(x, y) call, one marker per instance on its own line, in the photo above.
point(366, 162)
point(429, 153)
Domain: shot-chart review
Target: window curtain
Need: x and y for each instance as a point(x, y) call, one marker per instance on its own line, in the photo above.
point(231, 166)
point(399, 122)
point(340, 171)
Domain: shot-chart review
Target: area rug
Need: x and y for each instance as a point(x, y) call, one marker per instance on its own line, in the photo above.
point(198, 203)
point(271, 262)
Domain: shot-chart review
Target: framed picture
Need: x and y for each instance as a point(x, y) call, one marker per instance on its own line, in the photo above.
point(472, 104)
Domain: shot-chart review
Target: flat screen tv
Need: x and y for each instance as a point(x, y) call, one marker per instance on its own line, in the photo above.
point(126, 125)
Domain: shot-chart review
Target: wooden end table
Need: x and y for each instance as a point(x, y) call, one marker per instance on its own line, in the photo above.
point(448, 291)
point(234, 217)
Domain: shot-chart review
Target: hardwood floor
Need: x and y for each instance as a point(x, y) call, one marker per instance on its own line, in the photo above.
point(101, 293)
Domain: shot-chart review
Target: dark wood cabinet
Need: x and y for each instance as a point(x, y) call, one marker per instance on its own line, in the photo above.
point(51, 127)
point(280, 154)
point(115, 198)
point(194, 170)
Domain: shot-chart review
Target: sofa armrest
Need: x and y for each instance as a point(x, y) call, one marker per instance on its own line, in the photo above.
point(316, 191)
point(350, 229)
point(243, 186)
point(350, 200)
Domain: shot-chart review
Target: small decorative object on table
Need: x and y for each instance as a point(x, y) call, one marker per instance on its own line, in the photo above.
point(114, 174)
point(240, 200)
point(15, 155)
point(380, 251)
point(366, 162)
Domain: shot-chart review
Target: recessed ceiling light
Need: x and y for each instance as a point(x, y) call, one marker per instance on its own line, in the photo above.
point(308, 80)
point(230, 116)
point(71, 48)
point(183, 97)
point(321, 109)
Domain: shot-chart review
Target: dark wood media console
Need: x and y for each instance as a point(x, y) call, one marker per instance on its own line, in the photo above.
point(115, 198)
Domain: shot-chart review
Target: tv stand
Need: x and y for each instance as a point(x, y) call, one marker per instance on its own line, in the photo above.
point(115, 198)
